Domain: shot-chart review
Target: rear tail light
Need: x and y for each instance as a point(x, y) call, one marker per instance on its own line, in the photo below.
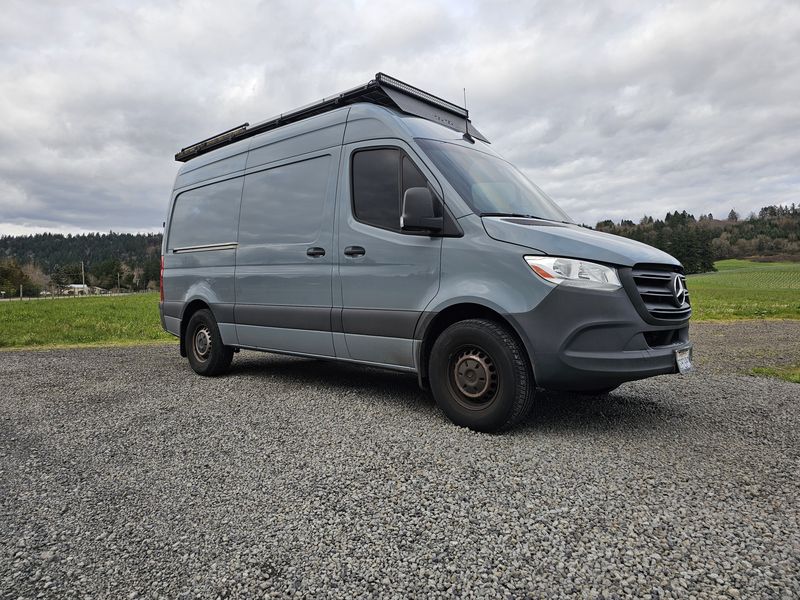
point(161, 279)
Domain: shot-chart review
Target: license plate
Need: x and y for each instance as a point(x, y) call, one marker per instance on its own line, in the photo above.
point(684, 360)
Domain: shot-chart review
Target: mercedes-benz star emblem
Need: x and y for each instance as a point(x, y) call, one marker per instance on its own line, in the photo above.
point(678, 290)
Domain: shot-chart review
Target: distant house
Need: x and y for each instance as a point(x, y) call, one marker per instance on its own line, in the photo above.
point(76, 289)
point(79, 289)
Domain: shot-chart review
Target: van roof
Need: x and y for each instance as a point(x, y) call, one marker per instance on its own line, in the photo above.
point(383, 90)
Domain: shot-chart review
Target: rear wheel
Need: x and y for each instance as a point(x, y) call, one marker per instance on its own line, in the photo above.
point(204, 348)
point(480, 376)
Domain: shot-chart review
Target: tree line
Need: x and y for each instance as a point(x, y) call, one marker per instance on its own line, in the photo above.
point(50, 260)
point(132, 261)
point(773, 232)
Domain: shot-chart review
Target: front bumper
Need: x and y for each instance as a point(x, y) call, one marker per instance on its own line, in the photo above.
point(581, 340)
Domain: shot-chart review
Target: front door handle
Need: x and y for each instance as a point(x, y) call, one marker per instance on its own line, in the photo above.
point(354, 251)
point(315, 251)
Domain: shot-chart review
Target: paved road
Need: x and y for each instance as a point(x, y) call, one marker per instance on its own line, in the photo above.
point(124, 475)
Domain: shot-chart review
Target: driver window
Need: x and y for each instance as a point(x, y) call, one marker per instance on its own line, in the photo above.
point(380, 177)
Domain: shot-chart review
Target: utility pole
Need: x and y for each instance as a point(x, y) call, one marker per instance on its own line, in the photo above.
point(118, 282)
point(20, 291)
point(83, 278)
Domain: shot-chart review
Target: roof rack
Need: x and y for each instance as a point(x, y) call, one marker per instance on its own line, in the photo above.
point(383, 90)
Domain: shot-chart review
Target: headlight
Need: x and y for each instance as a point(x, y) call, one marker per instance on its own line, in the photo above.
point(576, 273)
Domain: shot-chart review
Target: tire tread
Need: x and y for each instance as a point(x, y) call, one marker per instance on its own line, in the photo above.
point(524, 389)
point(221, 356)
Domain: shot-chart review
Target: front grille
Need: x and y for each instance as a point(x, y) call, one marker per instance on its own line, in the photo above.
point(654, 283)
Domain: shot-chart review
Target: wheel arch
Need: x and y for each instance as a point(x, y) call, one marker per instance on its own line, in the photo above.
point(432, 324)
point(190, 308)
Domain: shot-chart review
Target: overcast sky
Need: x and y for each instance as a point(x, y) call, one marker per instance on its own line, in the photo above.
point(616, 109)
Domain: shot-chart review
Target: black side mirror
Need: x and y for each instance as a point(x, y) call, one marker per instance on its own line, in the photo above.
point(419, 211)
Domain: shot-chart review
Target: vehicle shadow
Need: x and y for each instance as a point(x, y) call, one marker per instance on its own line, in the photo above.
point(329, 373)
point(624, 409)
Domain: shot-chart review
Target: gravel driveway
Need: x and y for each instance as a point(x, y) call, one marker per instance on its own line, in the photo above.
point(124, 475)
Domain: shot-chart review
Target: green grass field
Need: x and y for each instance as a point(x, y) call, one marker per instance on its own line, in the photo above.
point(739, 290)
point(743, 289)
point(98, 320)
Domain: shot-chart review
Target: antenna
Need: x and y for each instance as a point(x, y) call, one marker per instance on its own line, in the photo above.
point(466, 135)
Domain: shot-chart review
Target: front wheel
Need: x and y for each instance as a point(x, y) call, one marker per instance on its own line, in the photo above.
point(204, 348)
point(480, 376)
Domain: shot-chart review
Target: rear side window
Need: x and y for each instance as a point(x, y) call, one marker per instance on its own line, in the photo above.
point(285, 204)
point(206, 215)
point(380, 178)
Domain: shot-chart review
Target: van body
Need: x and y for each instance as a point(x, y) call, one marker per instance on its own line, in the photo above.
point(372, 235)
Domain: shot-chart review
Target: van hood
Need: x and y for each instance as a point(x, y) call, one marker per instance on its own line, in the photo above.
point(573, 241)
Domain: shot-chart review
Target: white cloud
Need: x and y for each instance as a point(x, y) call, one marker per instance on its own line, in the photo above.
point(616, 109)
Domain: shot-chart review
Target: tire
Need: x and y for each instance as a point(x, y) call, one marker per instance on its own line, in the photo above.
point(204, 348)
point(480, 376)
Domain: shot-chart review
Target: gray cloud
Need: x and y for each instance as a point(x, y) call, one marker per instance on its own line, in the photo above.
point(616, 109)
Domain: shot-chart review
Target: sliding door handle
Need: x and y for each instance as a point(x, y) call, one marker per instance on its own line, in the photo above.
point(354, 251)
point(315, 251)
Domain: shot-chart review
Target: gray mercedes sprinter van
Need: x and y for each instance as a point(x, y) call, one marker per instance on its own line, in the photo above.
point(379, 227)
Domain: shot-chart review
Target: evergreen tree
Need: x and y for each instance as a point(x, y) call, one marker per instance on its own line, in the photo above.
point(12, 278)
point(775, 230)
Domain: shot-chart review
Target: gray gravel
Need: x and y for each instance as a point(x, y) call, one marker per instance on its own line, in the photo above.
point(743, 345)
point(124, 475)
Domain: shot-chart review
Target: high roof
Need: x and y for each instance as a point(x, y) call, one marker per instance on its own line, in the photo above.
point(383, 90)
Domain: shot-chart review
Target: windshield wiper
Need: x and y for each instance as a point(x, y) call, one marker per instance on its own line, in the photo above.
point(522, 216)
point(507, 214)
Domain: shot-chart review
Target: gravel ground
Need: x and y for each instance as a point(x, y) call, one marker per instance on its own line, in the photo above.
point(124, 475)
point(742, 345)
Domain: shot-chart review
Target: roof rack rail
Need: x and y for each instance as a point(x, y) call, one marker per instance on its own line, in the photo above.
point(383, 90)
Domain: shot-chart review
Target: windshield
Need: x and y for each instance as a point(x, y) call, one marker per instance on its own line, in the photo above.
point(490, 185)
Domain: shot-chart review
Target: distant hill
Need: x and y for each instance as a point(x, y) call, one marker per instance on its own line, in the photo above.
point(697, 242)
point(54, 258)
point(38, 261)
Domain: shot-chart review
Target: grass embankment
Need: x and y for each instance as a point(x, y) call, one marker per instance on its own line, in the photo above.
point(743, 289)
point(97, 320)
